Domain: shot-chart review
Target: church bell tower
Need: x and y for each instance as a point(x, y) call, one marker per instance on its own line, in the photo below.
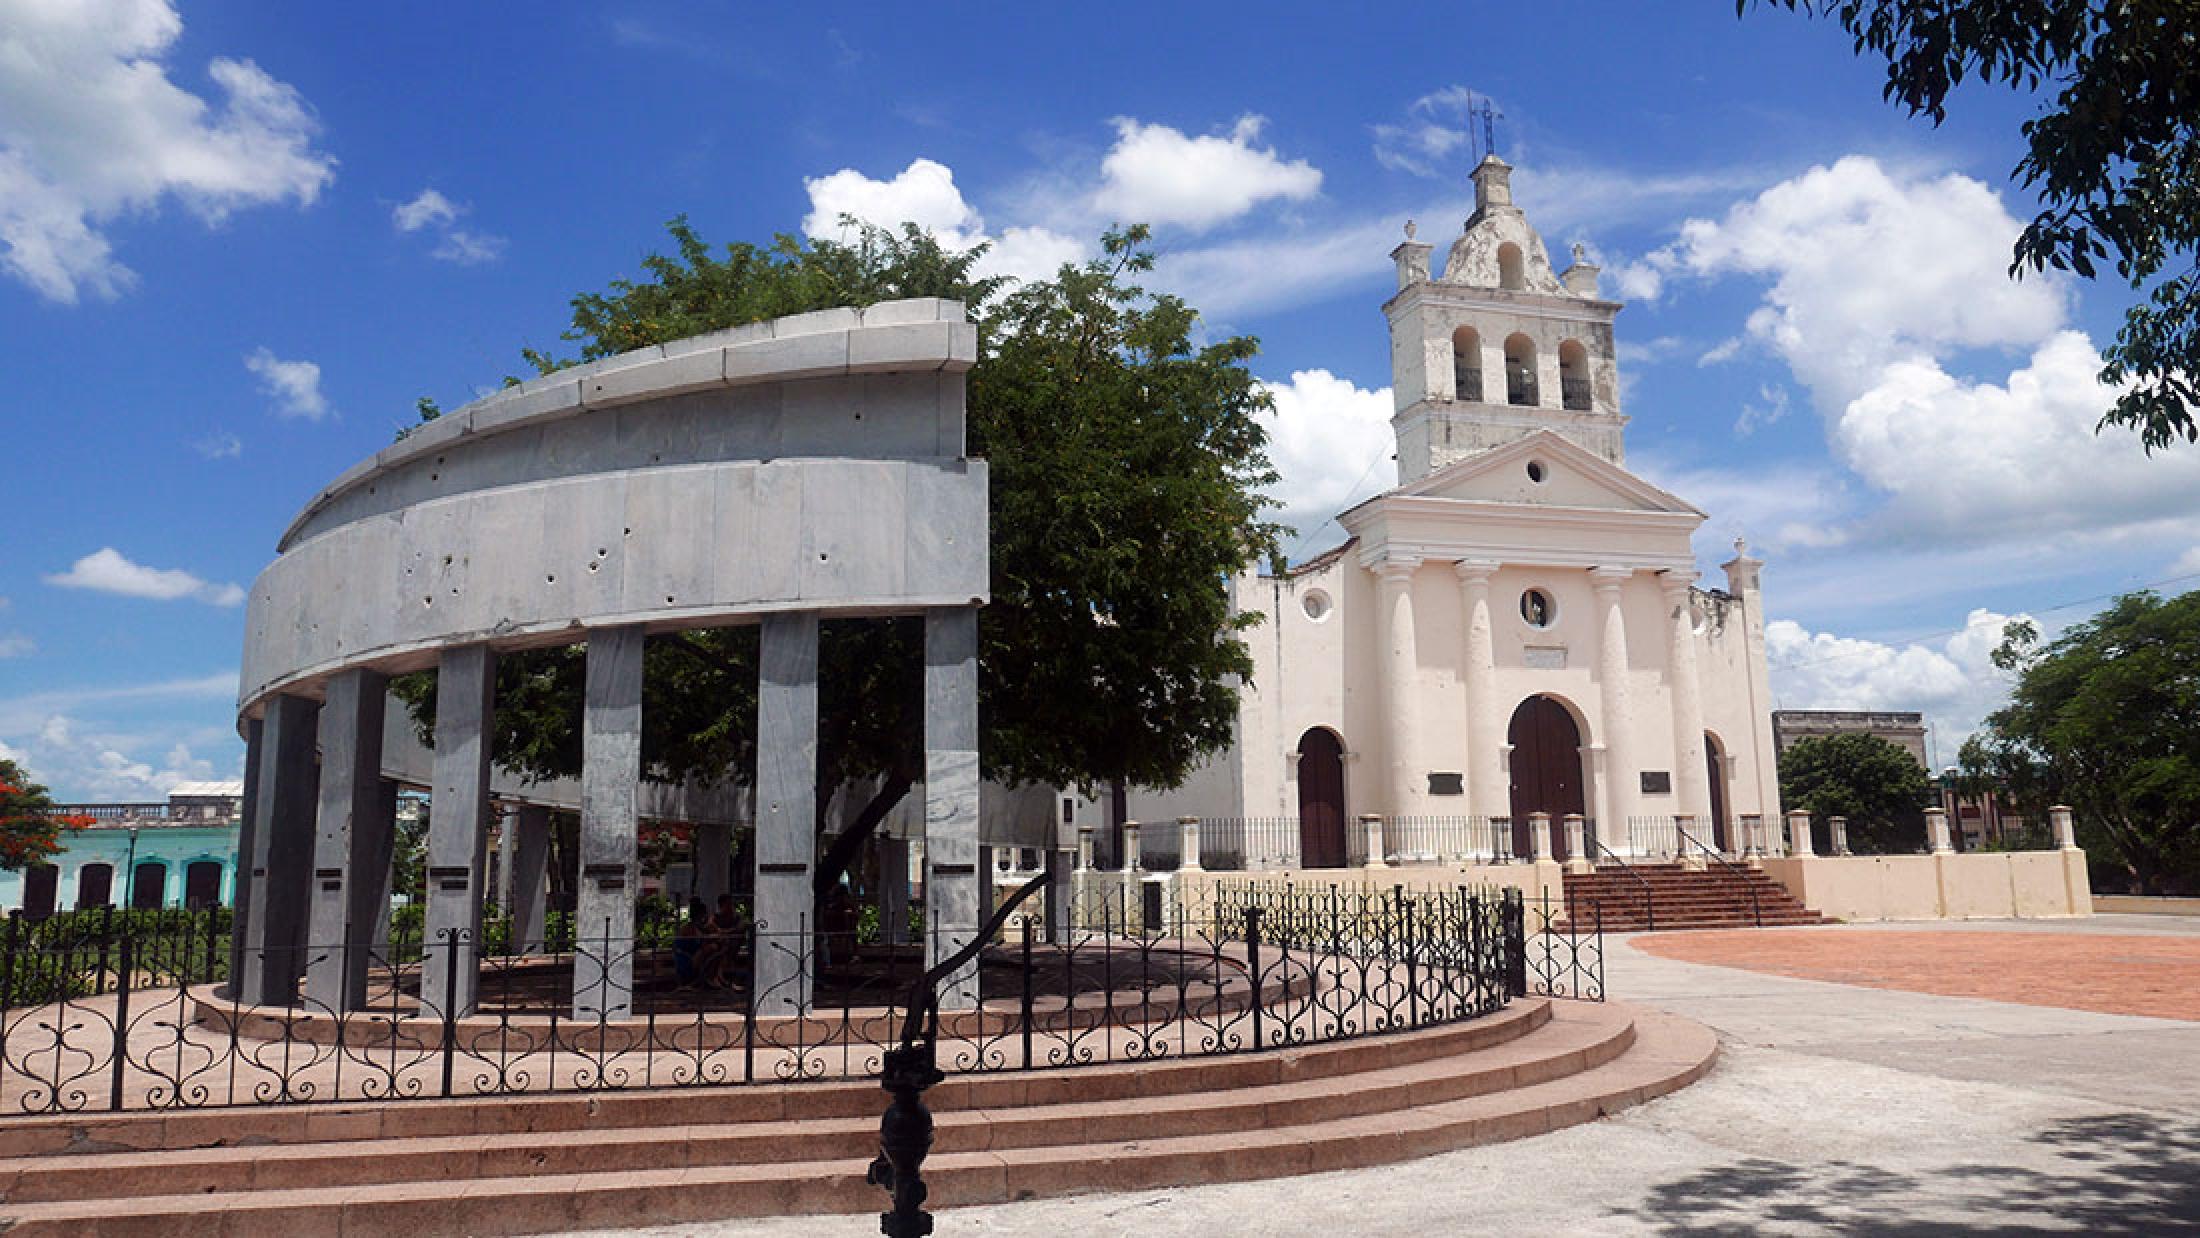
point(1499, 347)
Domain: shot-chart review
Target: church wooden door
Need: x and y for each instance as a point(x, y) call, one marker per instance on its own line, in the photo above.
point(1321, 800)
point(1546, 769)
point(1715, 771)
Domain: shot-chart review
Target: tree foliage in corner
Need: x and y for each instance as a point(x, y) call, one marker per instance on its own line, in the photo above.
point(2106, 718)
point(1126, 467)
point(30, 830)
point(1877, 785)
point(2114, 156)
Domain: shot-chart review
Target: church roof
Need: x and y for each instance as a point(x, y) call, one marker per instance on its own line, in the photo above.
point(1584, 480)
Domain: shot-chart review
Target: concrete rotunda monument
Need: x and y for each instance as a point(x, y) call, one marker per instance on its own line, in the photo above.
point(778, 474)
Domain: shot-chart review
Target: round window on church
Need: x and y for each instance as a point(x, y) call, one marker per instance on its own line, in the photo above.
point(1315, 604)
point(1536, 472)
point(1536, 607)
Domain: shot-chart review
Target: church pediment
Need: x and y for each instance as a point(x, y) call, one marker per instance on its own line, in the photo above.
point(1546, 470)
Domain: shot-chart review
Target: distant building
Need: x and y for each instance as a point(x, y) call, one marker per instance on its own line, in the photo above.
point(1904, 729)
point(177, 853)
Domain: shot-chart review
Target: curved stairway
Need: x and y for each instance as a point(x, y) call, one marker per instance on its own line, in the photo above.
point(534, 1164)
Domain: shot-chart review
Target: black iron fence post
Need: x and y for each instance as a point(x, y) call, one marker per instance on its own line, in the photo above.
point(450, 1005)
point(1513, 913)
point(1024, 1011)
point(1252, 966)
point(122, 1021)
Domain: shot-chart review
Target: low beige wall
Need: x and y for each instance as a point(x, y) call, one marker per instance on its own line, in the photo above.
point(1970, 886)
point(1534, 881)
point(2146, 905)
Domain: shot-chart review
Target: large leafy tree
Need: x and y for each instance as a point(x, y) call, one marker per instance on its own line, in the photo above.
point(1126, 466)
point(2114, 155)
point(30, 829)
point(2106, 718)
point(1877, 785)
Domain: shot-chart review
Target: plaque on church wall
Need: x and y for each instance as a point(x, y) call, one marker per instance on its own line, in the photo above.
point(1657, 782)
point(1447, 784)
point(1544, 657)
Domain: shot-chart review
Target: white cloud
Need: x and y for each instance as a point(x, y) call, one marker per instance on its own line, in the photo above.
point(1636, 281)
point(1158, 175)
point(220, 445)
point(1954, 682)
point(430, 211)
point(107, 571)
point(925, 194)
point(92, 128)
point(294, 385)
point(1776, 506)
point(16, 645)
point(2187, 564)
point(1331, 443)
point(1867, 268)
point(1435, 125)
point(1773, 406)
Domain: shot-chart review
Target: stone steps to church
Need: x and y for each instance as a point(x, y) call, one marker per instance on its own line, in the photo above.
point(1573, 1064)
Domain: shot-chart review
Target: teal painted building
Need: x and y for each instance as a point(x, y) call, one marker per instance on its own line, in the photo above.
point(181, 853)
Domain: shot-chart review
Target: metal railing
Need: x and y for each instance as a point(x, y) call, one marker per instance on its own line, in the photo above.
point(1756, 912)
point(1649, 897)
point(1654, 836)
point(1447, 840)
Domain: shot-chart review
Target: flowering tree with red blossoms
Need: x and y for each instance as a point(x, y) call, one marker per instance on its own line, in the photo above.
point(30, 830)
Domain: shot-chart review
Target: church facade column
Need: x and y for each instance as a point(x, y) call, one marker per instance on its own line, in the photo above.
point(1691, 774)
point(1401, 668)
point(1489, 794)
point(1616, 789)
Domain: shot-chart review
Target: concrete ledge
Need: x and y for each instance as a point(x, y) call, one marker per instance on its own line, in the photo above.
point(1969, 886)
point(2145, 905)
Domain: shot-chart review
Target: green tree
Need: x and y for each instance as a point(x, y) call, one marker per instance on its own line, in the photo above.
point(30, 830)
point(2114, 155)
point(2106, 719)
point(1126, 466)
point(1877, 785)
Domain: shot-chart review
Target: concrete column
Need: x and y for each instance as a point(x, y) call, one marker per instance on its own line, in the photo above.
point(1539, 836)
point(384, 874)
point(1619, 775)
point(530, 872)
point(1190, 844)
point(1837, 834)
point(1936, 830)
point(951, 793)
point(1371, 825)
point(465, 726)
point(241, 885)
point(1489, 793)
point(1799, 831)
point(610, 868)
point(1401, 672)
point(713, 855)
point(785, 855)
point(1577, 842)
point(1084, 848)
point(1691, 778)
point(893, 889)
point(2066, 832)
point(1133, 855)
point(282, 851)
point(1753, 836)
point(988, 874)
point(1695, 845)
point(348, 839)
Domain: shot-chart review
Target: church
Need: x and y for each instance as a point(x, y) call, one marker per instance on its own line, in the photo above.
point(1518, 626)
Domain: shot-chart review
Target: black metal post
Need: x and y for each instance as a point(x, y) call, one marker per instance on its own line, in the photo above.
point(1514, 913)
point(1252, 965)
point(122, 1022)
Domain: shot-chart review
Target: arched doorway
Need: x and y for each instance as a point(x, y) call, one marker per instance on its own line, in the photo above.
point(202, 884)
point(149, 886)
point(1321, 800)
point(1714, 759)
point(95, 885)
point(1546, 769)
point(41, 884)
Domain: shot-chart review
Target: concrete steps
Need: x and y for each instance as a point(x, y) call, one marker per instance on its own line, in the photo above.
point(536, 1164)
point(1682, 899)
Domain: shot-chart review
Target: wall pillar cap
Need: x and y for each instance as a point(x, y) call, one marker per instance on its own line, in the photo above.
point(1474, 571)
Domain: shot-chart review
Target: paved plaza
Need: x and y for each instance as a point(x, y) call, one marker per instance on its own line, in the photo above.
point(1833, 1109)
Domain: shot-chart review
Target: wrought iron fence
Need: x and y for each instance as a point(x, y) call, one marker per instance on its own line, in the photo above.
point(1248, 844)
point(137, 1014)
point(1448, 840)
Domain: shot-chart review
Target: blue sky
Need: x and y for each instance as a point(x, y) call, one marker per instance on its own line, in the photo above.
point(238, 241)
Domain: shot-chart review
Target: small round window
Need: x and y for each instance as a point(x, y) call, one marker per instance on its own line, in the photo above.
point(1315, 604)
point(1537, 609)
point(1536, 472)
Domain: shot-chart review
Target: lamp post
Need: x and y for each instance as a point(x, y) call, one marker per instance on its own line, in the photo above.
point(129, 869)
